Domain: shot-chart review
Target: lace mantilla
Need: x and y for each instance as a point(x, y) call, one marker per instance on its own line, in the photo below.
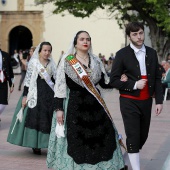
point(64, 67)
point(31, 79)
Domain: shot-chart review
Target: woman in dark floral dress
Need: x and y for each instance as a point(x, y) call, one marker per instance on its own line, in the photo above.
point(91, 139)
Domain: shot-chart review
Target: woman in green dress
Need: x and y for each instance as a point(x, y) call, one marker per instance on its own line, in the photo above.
point(36, 100)
point(90, 139)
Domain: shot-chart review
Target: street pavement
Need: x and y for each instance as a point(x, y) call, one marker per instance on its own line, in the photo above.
point(153, 154)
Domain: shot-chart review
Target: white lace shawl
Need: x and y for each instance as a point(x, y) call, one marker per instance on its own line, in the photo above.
point(60, 87)
point(31, 79)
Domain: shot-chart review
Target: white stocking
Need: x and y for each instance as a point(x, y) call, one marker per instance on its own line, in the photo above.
point(2, 107)
point(134, 160)
point(126, 158)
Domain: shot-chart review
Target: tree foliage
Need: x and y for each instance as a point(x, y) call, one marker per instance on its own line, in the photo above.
point(153, 13)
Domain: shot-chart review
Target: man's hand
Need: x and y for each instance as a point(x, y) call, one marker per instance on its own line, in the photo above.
point(141, 83)
point(158, 109)
point(124, 78)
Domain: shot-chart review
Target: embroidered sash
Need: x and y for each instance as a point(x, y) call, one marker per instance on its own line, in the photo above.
point(88, 84)
point(44, 74)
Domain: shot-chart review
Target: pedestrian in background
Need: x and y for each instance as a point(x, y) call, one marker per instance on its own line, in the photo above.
point(6, 78)
point(23, 60)
point(166, 76)
point(16, 63)
point(31, 51)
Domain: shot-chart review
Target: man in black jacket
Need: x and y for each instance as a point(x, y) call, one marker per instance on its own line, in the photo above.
point(140, 64)
point(6, 77)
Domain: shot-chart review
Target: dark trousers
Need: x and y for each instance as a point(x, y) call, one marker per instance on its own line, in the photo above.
point(4, 93)
point(136, 116)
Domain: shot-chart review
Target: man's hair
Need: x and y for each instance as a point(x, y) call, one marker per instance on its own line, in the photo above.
point(134, 27)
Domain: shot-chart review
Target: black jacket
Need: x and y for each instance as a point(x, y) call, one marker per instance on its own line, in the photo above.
point(126, 63)
point(6, 67)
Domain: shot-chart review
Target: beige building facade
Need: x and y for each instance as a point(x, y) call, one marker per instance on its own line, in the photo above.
point(22, 25)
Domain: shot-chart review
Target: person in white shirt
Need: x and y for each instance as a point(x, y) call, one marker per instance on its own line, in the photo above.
point(140, 64)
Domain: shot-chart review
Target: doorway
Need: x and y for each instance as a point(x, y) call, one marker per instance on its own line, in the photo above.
point(20, 38)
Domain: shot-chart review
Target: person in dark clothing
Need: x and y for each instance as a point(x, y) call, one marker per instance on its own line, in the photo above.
point(91, 140)
point(140, 64)
point(6, 78)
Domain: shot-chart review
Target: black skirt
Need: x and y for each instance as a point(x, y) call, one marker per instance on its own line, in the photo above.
point(40, 117)
point(4, 93)
point(90, 132)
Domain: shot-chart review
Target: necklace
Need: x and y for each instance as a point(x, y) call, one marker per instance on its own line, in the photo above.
point(84, 58)
point(87, 68)
point(44, 63)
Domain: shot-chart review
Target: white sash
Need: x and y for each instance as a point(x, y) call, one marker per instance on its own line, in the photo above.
point(43, 73)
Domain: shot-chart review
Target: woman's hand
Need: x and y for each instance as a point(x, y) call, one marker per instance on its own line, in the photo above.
point(24, 103)
point(60, 117)
point(124, 78)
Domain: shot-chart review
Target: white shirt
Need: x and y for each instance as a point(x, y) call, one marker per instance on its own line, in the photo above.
point(140, 55)
point(0, 60)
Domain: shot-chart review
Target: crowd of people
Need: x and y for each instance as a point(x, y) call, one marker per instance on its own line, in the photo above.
point(19, 62)
point(107, 62)
point(62, 109)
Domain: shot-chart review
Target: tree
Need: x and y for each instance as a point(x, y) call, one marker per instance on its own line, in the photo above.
point(153, 13)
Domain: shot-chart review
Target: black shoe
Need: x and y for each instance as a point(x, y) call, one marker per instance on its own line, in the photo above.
point(36, 151)
point(19, 88)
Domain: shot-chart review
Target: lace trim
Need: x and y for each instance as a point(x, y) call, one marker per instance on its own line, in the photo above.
point(31, 79)
point(60, 85)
